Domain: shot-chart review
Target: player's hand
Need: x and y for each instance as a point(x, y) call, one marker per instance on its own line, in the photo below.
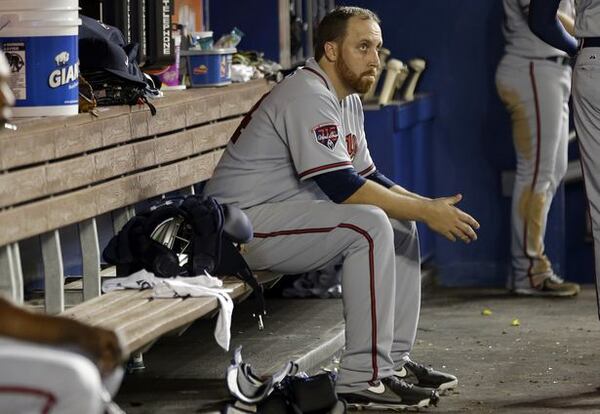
point(443, 217)
point(105, 348)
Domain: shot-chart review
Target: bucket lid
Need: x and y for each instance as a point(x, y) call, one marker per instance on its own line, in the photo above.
point(16, 20)
point(38, 6)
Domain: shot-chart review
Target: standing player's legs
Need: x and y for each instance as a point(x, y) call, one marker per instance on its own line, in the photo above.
point(562, 148)
point(586, 104)
point(295, 237)
point(534, 93)
point(38, 379)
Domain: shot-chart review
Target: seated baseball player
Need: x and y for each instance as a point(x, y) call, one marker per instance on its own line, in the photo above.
point(42, 364)
point(300, 168)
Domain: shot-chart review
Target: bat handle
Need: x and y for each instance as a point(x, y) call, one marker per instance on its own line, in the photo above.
point(393, 69)
point(417, 66)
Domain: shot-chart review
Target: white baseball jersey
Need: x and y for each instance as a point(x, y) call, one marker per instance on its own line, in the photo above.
point(520, 40)
point(297, 131)
point(41, 379)
point(587, 19)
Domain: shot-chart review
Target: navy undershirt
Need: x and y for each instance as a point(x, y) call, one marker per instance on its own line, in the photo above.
point(341, 184)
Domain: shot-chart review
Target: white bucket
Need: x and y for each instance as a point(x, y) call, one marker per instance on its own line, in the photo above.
point(40, 40)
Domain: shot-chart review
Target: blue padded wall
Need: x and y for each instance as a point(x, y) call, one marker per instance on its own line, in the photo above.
point(462, 42)
point(257, 19)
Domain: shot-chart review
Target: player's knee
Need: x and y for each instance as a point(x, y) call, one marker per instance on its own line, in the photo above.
point(543, 185)
point(372, 217)
point(546, 173)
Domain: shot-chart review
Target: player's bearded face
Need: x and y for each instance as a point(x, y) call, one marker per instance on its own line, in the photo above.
point(360, 82)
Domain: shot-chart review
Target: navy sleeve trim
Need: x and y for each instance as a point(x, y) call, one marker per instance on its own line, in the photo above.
point(340, 185)
point(381, 179)
point(368, 170)
point(324, 168)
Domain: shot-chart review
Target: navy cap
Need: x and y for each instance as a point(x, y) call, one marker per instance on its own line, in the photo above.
point(102, 47)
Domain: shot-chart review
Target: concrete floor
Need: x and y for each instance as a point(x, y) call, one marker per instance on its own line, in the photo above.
point(548, 364)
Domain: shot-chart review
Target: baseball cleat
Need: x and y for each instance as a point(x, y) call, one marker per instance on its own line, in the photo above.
point(553, 285)
point(390, 394)
point(423, 376)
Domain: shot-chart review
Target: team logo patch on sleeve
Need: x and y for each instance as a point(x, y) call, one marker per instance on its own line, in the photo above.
point(327, 135)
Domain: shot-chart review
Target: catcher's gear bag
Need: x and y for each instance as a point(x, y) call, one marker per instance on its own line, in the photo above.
point(284, 392)
point(186, 236)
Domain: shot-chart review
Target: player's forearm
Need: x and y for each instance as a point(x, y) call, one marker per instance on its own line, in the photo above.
point(403, 191)
point(567, 22)
point(544, 23)
point(396, 204)
point(23, 325)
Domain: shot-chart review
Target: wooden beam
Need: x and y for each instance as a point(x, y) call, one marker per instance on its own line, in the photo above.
point(32, 219)
point(56, 178)
point(90, 253)
point(37, 141)
point(53, 272)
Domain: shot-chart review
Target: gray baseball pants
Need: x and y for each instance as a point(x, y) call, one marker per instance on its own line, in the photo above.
point(381, 280)
point(586, 110)
point(536, 95)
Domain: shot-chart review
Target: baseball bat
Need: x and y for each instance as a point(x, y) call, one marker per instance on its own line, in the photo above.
point(394, 68)
point(383, 55)
point(400, 79)
point(417, 66)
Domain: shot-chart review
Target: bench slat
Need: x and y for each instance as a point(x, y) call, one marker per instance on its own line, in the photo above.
point(105, 303)
point(147, 310)
point(29, 220)
point(8, 286)
point(19, 290)
point(140, 333)
point(134, 309)
point(24, 185)
point(68, 136)
point(90, 253)
point(53, 272)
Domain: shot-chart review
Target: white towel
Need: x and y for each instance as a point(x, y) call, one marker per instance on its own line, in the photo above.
point(142, 279)
point(197, 286)
point(201, 287)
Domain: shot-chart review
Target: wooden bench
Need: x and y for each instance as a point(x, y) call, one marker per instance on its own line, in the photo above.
point(141, 319)
point(56, 172)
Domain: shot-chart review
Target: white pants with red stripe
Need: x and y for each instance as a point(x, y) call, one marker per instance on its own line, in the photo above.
point(536, 95)
point(381, 279)
point(586, 110)
point(38, 379)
